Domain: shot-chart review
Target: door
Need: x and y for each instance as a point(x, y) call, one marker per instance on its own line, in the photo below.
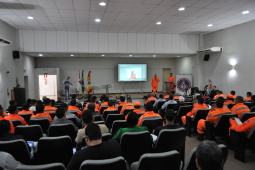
point(166, 74)
point(48, 86)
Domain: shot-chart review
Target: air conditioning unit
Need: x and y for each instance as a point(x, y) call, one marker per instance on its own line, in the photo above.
point(4, 42)
point(212, 49)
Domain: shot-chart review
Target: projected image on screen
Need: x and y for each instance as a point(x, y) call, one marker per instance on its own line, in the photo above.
point(132, 72)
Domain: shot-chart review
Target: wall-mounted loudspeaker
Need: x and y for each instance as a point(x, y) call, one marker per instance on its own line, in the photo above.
point(206, 57)
point(15, 54)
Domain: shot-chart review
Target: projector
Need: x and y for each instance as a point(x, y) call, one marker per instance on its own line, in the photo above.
point(4, 42)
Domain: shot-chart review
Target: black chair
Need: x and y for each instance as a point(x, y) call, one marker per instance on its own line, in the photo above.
point(56, 130)
point(54, 149)
point(73, 120)
point(159, 105)
point(112, 117)
point(119, 108)
point(43, 122)
point(183, 110)
point(26, 116)
point(170, 106)
point(200, 114)
point(140, 114)
point(99, 122)
point(171, 139)
point(221, 127)
point(73, 112)
point(53, 166)
point(98, 118)
point(116, 125)
point(102, 110)
point(188, 103)
point(114, 163)
point(152, 161)
point(52, 115)
point(134, 145)
point(18, 149)
point(106, 137)
point(126, 111)
point(248, 104)
point(231, 105)
point(212, 103)
point(152, 102)
point(16, 122)
point(106, 112)
point(246, 116)
point(152, 124)
point(252, 109)
point(30, 133)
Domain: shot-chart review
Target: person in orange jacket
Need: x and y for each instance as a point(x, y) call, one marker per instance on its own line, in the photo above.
point(104, 104)
point(244, 127)
point(212, 117)
point(73, 107)
point(154, 84)
point(230, 99)
point(171, 78)
point(150, 98)
point(25, 109)
point(40, 113)
point(14, 115)
point(129, 105)
point(249, 94)
point(122, 101)
point(194, 110)
point(219, 94)
point(111, 107)
point(48, 108)
point(167, 95)
point(239, 107)
point(232, 94)
point(148, 114)
point(94, 101)
point(137, 106)
point(2, 118)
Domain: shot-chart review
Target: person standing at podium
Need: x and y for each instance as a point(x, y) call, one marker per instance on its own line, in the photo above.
point(171, 78)
point(154, 84)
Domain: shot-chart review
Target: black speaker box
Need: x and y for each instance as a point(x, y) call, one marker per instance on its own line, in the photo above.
point(206, 57)
point(15, 54)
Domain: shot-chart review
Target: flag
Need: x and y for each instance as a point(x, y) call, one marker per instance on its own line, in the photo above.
point(82, 82)
point(89, 88)
point(79, 81)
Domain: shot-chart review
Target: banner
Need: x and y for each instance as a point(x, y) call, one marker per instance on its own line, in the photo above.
point(89, 88)
point(183, 84)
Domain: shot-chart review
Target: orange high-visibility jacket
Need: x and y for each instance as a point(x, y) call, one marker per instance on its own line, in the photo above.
point(49, 108)
point(166, 96)
point(15, 117)
point(150, 99)
point(11, 124)
point(244, 127)
point(231, 96)
point(105, 104)
point(96, 106)
point(214, 115)
point(154, 81)
point(247, 99)
point(129, 105)
point(75, 108)
point(240, 108)
point(194, 110)
point(148, 115)
point(42, 115)
point(171, 79)
point(25, 111)
point(220, 95)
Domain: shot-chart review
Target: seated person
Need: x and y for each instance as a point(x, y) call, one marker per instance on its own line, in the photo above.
point(89, 98)
point(2, 118)
point(48, 108)
point(167, 95)
point(210, 99)
point(169, 122)
point(239, 107)
point(59, 102)
point(129, 105)
point(60, 114)
point(137, 106)
point(33, 105)
point(132, 121)
point(219, 94)
point(232, 94)
point(104, 104)
point(122, 101)
point(209, 156)
point(244, 127)
point(7, 161)
point(96, 150)
point(170, 101)
point(181, 103)
point(14, 115)
point(26, 109)
point(87, 118)
point(148, 114)
point(150, 98)
point(91, 107)
point(13, 103)
point(249, 94)
point(74, 108)
point(160, 99)
point(94, 101)
point(40, 113)
point(111, 106)
point(230, 99)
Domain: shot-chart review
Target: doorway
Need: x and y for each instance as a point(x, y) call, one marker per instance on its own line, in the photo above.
point(48, 86)
point(166, 74)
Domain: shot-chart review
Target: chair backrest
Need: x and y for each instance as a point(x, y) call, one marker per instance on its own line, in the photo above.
point(126, 111)
point(30, 133)
point(26, 116)
point(212, 103)
point(43, 122)
point(135, 144)
point(246, 116)
point(99, 122)
point(73, 120)
point(17, 148)
point(52, 115)
point(119, 108)
point(53, 166)
point(106, 137)
point(152, 161)
point(112, 117)
point(222, 125)
point(248, 104)
point(98, 118)
point(54, 149)
point(231, 105)
point(188, 103)
point(224, 150)
point(159, 105)
point(183, 110)
point(116, 125)
point(152, 101)
point(140, 114)
point(73, 112)
point(170, 106)
point(200, 114)
point(117, 163)
point(152, 123)
point(102, 110)
point(62, 130)
point(16, 122)
point(252, 109)
point(107, 112)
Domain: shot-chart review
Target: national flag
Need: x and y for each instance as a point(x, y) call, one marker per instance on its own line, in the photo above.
point(89, 88)
point(82, 82)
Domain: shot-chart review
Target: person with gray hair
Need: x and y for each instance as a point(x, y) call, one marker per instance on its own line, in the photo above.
point(181, 103)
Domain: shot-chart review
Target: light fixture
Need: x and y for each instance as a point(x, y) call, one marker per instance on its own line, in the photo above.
point(103, 55)
point(178, 56)
point(30, 17)
point(245, 12)
point(154, 55)
point(232, 61)
point(130, 55)
point(181, 9)
point(209, 25)
point(102, 3)
point(97, 20)
point(40, 55)
point(158, 23)
point(71, 55)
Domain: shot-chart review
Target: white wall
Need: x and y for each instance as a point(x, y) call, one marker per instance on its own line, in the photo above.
point(93, 42)
point(104, 71)
point(29, 65)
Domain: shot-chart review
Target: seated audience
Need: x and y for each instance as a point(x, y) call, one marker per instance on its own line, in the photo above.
point(122, 101)
point(160, 99)
point(137, 106)
point(209, 156)
point(39, 102)
point(2, 118)
point(213, 91)
point(52, 102)
point(7, 161)
point(87, 118)
point(59, 102)
point(69, 115)
point(249, 94)
point(148, 114)
point(29, 101)
point(89, 98)
point(232, 94)
point(170, 101)
point(219, 94)
point(40, 113)
point(104, 104)
point(111, 106)
point(239, 107)
point(244, 127)
point(48, 108)
point(181, 103)
point(91, 107)
point(14, 115)
point(150, 98)
point(26, 109)
point(61, 118)
point(167, 95)
point(33, 105)
point(252, 104)
point(230, 99)
point(94, 101)
point(73, 107)
point(210, 99)
point(129, 105)
point(196, 96)
point(169, 122)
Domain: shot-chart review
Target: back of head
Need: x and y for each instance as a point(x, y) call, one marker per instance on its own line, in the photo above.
point(233, 92)
point(219, 103)
point(52, 102)
point(26, 106)
point(200, 100)
point(39, 108)
point(209, 156)
point(198, 96)
point(181, 99)
point(93, 99)
point(171, 97)
point(220, 92)
point(93, 132)
point(122, 98)
point(161, 96)
point(60, 112)
point(221, 98)
point(132, 119)
point(12, 102)
point(149, 107)
point(253, 98)
point(39, 102)
point(249, 94)
point(29, 101)
point(211, 96)
point(4, 127)
point(12, 109)
point(73, 102)
point(64, 105)
point(87, 116)
point(239, 99)
point(73, 96)
point(89, 96)
point(47, 101)
point(91, 107)
point(170, 114)
point(33, 102)
point(110, 103)
point(59, 98)
point(137, 105)
point(102, 97)
point(129, 100)
point(217, 92)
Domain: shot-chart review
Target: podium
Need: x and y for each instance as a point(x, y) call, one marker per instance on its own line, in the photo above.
point(168, 87)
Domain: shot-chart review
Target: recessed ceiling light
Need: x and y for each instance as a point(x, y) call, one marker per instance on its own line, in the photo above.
point(97, 20)
point(210, 25)
point(158, 23)
point(154, 55)
point(102, 3)
point(181, 9)
point(40, 55)
point(71, 55)
point(178, 56)
point(130, 55)
point(103, 55)
point(245, 12)
point(30, 17)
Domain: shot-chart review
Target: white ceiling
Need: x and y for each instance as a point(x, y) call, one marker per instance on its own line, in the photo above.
point(132, 16)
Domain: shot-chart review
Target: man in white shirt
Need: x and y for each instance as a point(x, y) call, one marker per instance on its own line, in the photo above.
point(158, 100)
point(170, 101)
point(33, 105)
point(8, 162)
